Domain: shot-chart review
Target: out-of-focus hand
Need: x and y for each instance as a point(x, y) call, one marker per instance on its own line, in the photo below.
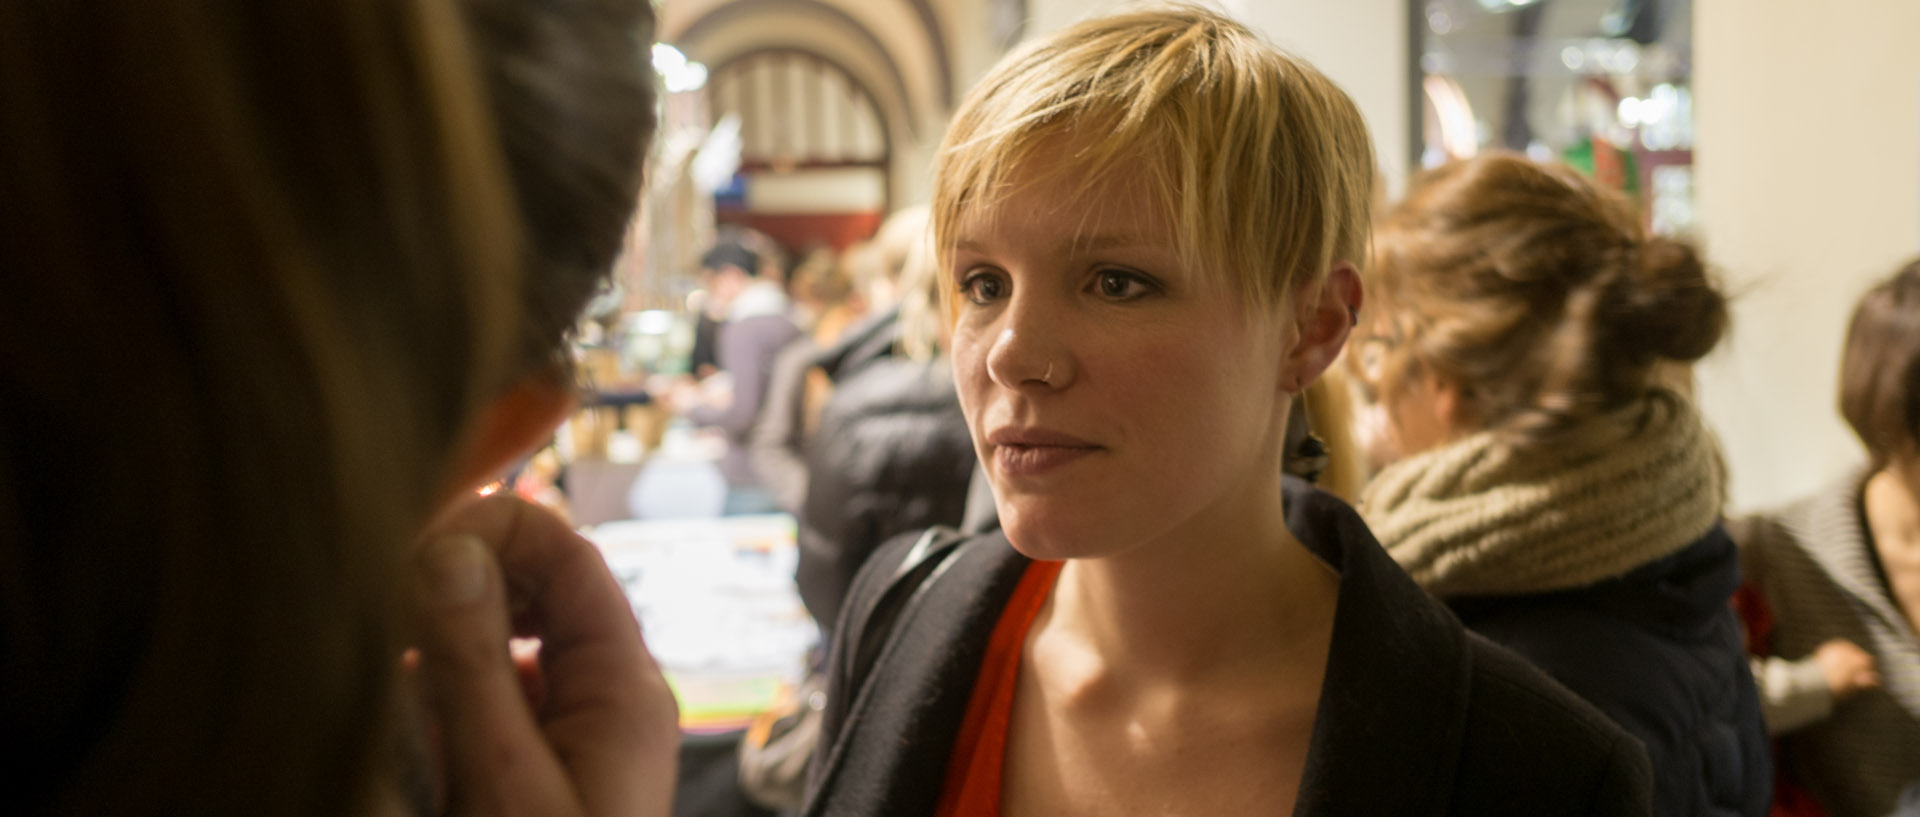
point(661, 386)
point(676, 395)
point(598, 733)
point(1849, 669)
point(685, 396)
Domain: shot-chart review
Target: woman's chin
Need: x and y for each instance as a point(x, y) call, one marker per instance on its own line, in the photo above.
point(1043, 536)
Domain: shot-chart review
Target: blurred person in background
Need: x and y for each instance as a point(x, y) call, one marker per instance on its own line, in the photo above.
point(710, 311)
point(1839, 573)
point(758, 323)
point(892, 453)
point(879, 272)
point(826, 303)
point(1559, 499)
point(1148, 226)
point(768, 264)
point(335, 247)
point(857, 329)
point(703, 360)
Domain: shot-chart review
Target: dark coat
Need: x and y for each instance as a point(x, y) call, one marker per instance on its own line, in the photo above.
point(870, 340)
point(891, 454)
point(1660, 651)
point(1417, 715)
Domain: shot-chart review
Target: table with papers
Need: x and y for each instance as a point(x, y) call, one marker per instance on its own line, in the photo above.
point(718, 606)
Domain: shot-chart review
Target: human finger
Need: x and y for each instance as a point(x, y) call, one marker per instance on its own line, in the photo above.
point(496, 759)
point(608, 714)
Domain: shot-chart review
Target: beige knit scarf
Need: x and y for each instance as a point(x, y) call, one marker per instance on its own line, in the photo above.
point(1481, 516)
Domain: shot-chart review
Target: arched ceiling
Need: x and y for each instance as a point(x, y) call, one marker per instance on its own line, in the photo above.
point(800, 107)
point(897, 48)
point(872, 68)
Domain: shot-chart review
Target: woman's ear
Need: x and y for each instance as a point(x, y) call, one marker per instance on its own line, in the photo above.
point(1326, 318)
point(516, 422)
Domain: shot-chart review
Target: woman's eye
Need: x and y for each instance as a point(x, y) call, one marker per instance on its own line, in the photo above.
point(982, 288)
point(1121, 286)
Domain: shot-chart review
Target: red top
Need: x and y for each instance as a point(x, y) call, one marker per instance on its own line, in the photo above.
point(973, 774)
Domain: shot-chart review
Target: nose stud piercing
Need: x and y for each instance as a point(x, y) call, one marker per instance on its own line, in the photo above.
point(1047, 376)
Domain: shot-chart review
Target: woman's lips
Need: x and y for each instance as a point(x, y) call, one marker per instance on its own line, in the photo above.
point(1033, 460)
point(1033, 451)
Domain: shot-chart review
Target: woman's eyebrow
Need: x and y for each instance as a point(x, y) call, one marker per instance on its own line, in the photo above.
point(1088, 243)
point(1109, 241)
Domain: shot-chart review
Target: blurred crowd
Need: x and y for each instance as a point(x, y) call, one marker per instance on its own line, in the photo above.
point(1513, 419)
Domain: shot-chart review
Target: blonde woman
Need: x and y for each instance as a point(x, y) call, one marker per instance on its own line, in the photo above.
point(1562, 500)
point(1148, 226)
point(326, 253)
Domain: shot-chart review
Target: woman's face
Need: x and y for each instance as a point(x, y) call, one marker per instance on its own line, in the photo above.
point(1398, 420)
point(1420, 416)
point(1115, 397)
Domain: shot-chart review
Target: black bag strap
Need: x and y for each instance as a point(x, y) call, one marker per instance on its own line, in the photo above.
point(867, 629)
point(924, 562)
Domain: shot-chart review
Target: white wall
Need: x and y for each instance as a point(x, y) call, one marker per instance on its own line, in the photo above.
point(1808, 159)
point(1047, 15)
point(1360, 44)
point(826, 190)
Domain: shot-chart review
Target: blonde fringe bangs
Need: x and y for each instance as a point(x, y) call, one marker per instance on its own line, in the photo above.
point(1263, 167)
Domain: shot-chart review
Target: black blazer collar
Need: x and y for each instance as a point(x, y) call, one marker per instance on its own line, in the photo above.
point(1386, 738)
point(1393, 708)
point(891, 758)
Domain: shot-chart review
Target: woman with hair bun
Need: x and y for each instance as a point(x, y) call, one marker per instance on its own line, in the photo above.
point(1548, 487)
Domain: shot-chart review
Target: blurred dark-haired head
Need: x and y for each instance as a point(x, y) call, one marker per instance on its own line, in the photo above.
point(731, 254)
point(1880, 369)
point(275, 260)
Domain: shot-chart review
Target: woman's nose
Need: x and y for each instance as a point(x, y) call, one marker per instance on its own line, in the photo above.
point(1028, 351)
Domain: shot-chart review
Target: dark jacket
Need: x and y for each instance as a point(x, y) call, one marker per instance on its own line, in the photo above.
point(864, 343)
point(777, 444)
point(1417, 715)
point(891, 454)
point(1660, 651)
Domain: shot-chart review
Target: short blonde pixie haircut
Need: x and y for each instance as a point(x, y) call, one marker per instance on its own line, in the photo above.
point(1262, 166)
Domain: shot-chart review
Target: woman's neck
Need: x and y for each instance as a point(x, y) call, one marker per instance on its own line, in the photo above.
point(1893, 518)
point(1230, 595)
